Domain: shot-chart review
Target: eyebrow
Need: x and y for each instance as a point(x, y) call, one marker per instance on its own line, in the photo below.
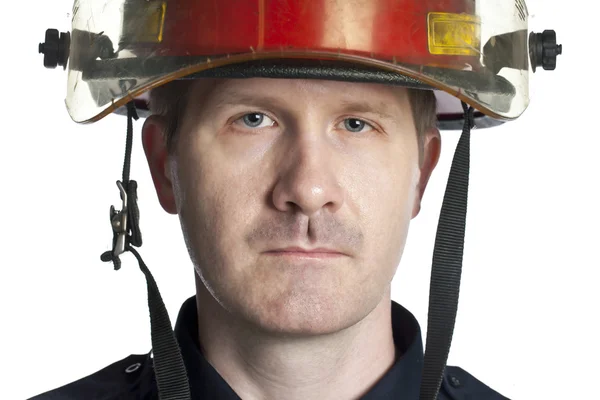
point(231, 97)
point(381, 109)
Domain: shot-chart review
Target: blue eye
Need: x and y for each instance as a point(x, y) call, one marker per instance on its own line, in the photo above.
point(257, 120)
point(355, 125)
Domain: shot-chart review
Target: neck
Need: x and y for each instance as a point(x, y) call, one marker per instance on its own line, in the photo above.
point(258, 365)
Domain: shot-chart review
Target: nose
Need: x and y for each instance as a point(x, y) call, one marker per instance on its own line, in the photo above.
point(308, 180)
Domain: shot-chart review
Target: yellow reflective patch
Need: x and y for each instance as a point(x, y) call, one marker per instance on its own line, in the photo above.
point(454, 34)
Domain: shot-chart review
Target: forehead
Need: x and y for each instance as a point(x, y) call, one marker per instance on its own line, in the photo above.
point(216, 93)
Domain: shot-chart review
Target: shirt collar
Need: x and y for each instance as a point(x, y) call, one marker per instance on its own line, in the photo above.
point(401, 381)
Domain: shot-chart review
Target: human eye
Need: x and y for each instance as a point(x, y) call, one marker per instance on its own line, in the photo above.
point(355, 125)
point(255, 120)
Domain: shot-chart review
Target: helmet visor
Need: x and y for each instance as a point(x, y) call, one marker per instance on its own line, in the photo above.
point(476, 51)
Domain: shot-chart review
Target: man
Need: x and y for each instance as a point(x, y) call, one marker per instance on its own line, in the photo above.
point(295, 197)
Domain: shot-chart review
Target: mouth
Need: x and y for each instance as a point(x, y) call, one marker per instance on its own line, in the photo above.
point(298, 252)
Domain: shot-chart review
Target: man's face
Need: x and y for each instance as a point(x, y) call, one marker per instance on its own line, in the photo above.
point(264, 169)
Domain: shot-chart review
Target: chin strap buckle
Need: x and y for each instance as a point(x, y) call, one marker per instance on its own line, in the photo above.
point(118, 221)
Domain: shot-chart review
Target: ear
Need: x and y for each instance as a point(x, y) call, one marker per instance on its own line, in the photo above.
point(153, 140)
point(432, 145)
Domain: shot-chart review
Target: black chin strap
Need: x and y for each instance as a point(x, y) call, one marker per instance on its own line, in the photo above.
point(169, 370)
point(447, 266)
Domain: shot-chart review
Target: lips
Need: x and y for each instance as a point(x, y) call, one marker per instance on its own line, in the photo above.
point(319, 252)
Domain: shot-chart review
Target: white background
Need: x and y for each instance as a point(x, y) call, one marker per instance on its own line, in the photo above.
point(528, 317)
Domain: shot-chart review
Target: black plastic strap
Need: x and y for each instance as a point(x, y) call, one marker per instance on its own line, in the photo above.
point(131, 115)
point(169, 369)
point(134, 232)
point(447, 266)
point(170, 372)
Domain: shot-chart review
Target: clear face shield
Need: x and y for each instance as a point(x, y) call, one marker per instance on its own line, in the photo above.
point(474, 51)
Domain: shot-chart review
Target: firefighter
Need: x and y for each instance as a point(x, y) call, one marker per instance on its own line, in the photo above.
point(295, 140)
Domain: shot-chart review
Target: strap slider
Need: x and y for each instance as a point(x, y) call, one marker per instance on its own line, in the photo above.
point(118, 221)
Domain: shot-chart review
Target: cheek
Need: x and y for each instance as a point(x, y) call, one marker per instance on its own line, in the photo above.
point(217, 200)
point(383, 191)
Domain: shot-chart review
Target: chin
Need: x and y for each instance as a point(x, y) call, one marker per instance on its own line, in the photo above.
point(296, 299)
point(306, 313)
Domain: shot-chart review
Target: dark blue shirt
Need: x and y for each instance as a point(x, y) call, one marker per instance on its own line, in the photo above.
point(133, 377)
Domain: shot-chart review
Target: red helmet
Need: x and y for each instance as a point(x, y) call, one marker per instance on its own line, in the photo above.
point(478, 52)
